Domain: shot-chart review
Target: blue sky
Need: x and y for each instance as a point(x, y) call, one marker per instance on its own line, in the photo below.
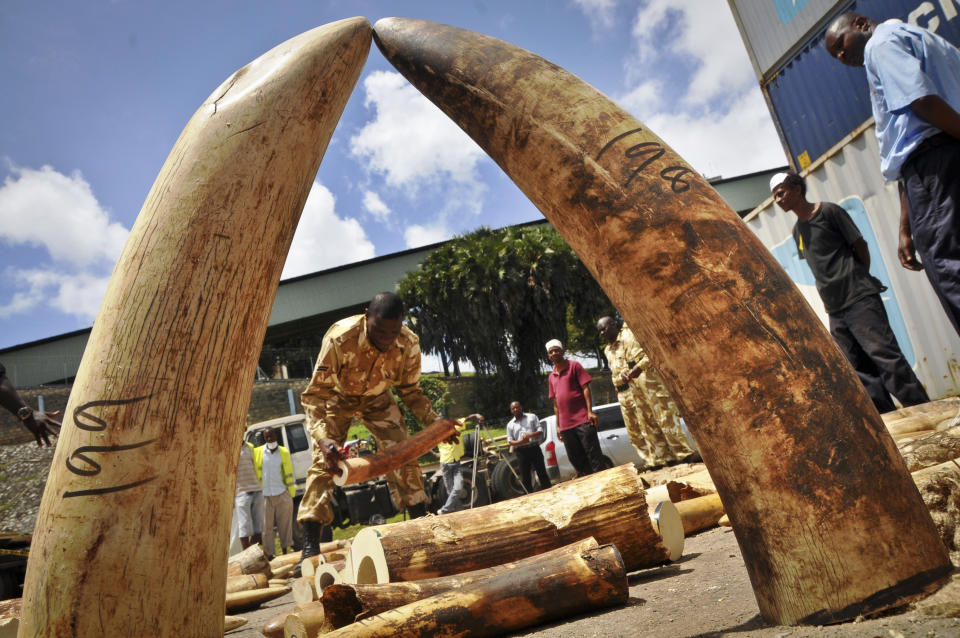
point(97, 92)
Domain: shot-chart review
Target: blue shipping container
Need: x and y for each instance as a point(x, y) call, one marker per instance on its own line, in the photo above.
point(818, 101)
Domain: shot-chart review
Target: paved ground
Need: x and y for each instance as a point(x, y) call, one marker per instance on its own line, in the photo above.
point(707, 593)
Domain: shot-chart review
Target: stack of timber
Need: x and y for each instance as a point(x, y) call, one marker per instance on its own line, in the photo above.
point(608, 505)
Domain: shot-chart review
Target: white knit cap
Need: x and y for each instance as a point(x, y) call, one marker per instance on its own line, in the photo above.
point(554, 343)
point(777, 179)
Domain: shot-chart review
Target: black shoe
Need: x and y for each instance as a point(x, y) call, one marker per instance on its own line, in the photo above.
point(312, 530)
point(417, 511)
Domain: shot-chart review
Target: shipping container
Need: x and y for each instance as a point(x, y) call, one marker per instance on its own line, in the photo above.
point(848, 174)
point(815, 100)
point(773, 28)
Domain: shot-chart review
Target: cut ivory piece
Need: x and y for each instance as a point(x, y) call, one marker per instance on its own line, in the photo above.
point(557, 587)
point(608, 506)
point(364, 468)
point(345, 604)
point(808, 474)
point(133, 528)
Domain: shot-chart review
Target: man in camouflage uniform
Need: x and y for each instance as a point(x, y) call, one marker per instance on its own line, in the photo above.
point(649, 413)
point(360, 359)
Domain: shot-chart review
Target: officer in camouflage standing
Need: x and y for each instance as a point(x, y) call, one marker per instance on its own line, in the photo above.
point(361, 358)
point(649, 413)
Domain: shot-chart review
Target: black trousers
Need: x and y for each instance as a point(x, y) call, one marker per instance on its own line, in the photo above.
point(531, 459)
point(862, 330)
point(583, 449)
point(931, 178)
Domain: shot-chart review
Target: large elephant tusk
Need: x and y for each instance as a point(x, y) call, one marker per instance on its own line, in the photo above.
point(813, 484)
point(133, 527)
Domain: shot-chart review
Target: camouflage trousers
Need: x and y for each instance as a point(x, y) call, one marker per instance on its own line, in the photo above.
point(653, 421)
point(383, 418)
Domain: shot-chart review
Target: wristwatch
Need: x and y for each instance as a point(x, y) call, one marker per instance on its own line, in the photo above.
point(25, 413)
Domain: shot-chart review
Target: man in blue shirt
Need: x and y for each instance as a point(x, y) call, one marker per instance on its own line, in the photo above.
point(914, 78)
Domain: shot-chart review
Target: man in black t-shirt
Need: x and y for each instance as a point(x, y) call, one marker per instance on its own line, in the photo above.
point(830, 243)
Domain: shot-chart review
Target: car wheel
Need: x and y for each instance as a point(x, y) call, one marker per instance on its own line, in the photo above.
point(505, 482)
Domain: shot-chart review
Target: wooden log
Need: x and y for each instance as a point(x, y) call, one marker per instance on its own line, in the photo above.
point(309, 566)
point(345, 604)
point(347, 572)
point(608, 506)
point(326, 575)
point(252, 560)
point(507, 602)
point(932, 449)
point(232, 622)
point(11, 608)
point(929, 413)
point(175, 345)
point(810, 477)
point(939, 486)
point(273, 628)
point(250, 599)
point(336, 555)
point(364, 468)
point(10, 611)
point(291, 558)
point(246, 582)
point(700, 513)
point(332, 546)
point(304, 590)
point(285, 571)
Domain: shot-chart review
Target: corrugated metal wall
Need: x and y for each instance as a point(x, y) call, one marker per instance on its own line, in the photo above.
point(817, 101)
point(850, 175)
point(773, 27)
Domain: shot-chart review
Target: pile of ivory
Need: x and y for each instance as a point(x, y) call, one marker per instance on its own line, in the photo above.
point(253, 580)
point(608, 505)
point(398, 564)
point(566, 581)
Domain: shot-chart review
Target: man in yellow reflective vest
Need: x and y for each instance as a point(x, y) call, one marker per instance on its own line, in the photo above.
point(272, 464)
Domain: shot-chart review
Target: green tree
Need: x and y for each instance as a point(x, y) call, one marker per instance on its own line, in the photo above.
point(436, 390)
point(495, 297)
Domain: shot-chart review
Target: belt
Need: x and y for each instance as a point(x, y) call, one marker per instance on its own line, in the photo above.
point(621, 388)
point(929, 143)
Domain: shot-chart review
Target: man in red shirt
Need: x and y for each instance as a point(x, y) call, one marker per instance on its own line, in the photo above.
point(569, 387)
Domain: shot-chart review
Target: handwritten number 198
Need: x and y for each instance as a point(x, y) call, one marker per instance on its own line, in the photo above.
point(650, 152)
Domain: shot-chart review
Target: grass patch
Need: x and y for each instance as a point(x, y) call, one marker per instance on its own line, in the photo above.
point(351, 531)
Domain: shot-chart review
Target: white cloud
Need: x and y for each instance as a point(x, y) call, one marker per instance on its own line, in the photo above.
point(716, 119)
point(739, 140)
point(599, 12)
point(707, 33)
point(419, 235)
point(59, 212)
point(643, 98)
point(324, 240)
point(79, 294)
point(410, 141)
point(376, 206)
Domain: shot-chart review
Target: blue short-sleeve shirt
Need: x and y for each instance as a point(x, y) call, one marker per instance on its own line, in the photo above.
point(905, 63)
